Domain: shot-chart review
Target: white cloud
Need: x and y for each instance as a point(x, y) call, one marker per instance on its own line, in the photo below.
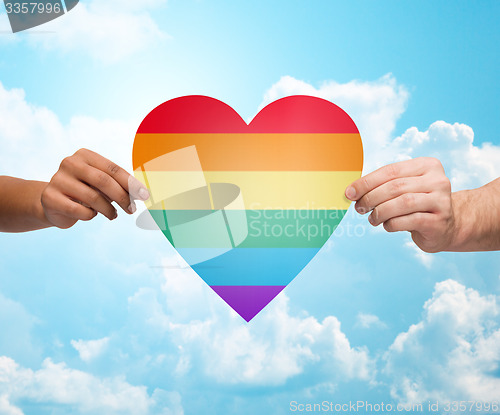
point(16, 326)
point(452, 353)
point(424, 257)
point(6, 408)
point(366, 321)
point(466, 164)
point(34, 140)
point(90, 349)
point(56, 384)
point(376, 106)
point(105, 30)
point(273, 348)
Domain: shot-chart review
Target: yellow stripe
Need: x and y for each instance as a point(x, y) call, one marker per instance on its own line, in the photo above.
point(263, 189)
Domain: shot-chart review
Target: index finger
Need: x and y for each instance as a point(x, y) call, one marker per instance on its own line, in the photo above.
point(365, 184)
point(133, 186)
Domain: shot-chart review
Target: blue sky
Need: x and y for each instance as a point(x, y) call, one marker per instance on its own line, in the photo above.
point(371, 318)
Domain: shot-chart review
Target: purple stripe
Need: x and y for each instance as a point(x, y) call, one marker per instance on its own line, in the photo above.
point(247, 300)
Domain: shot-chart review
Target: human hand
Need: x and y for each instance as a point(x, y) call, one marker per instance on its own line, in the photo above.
point(413, 196)
point(85, 185)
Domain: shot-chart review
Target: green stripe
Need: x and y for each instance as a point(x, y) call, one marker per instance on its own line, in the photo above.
point(259, 228)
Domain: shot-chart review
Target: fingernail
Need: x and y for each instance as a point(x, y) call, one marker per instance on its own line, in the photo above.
point(143, 194)
point(132, 208)
point(350, 193)
point(361, 210)
point(115, 216)
point(371, 220)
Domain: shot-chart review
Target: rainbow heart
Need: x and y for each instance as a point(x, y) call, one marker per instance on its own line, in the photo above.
point(247, 206)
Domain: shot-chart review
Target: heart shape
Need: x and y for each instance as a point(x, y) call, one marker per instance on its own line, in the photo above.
point(247, 206)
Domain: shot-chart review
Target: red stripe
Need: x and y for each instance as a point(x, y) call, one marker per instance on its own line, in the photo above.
point(200, 114)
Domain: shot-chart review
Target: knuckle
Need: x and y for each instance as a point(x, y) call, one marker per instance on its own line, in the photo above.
point(113, 168)
point(67, 163)
point(393, 171)
point(102, 179)
point(71, 209)
point(81, 152)
point(408, 200)
point(365, 183)
point(444, 183)
point(433, 162)
point(93, 196)
point(397, 186)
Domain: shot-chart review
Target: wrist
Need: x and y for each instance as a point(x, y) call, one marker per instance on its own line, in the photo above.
point(461, 230)
point(37, 210)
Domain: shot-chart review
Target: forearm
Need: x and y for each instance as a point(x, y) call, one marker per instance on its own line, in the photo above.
point(477, 219)
point(20, 205)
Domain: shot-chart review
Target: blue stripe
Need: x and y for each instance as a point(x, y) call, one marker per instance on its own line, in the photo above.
point(251, 266)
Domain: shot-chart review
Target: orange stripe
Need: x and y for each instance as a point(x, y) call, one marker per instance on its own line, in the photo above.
point(261, 152)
